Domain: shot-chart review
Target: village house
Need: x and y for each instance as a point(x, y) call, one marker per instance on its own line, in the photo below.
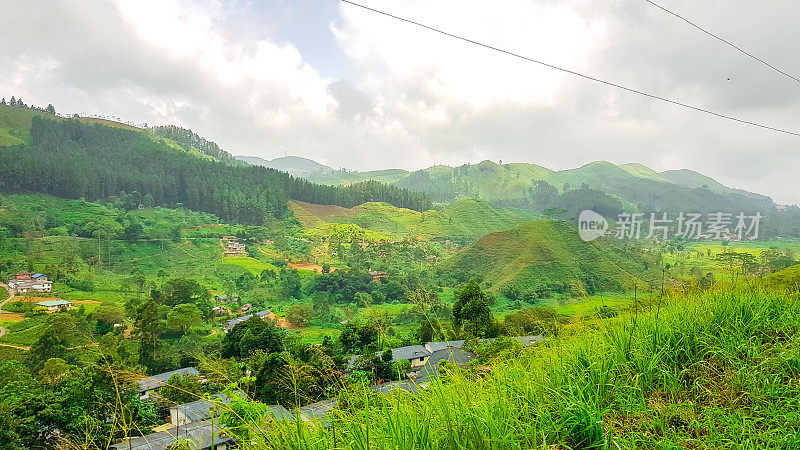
point(232, 247)
point(23, 282)
point(55, 305)
point(417, 355)
point(151, 384)
point(196, 411)
point(455, 356)
point(226, 298)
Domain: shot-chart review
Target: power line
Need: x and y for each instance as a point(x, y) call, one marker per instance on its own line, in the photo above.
point(588, 77)
point(719, 38)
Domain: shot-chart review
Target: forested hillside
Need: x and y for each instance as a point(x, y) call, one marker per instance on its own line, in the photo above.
point(189, 139)
point(70, 159)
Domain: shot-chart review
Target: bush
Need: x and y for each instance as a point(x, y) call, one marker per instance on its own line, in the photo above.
point(79, 285)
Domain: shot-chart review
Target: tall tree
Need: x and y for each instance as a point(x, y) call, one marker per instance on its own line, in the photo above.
point(472, 307)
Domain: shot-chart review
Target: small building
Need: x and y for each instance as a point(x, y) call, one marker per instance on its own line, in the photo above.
point(317, 411)
point(226, 298)
point(232, 247)
point(55, 305)
point(41, 283)
point(442, 345)
point(151, 384)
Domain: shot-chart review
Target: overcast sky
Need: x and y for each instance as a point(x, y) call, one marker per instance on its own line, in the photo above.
point(331, 82)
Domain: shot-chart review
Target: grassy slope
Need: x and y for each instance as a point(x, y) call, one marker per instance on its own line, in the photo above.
point(788, 278)
point(547, 255)
point(467, 219)
point(717, 371)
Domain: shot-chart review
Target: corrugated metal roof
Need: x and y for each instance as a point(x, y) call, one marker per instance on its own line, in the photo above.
point(201, 433)
point(54, 303)
point(409, 352)
point(441, 345)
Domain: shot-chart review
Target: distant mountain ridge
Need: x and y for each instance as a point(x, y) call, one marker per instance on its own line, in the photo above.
point(490, 181)
point(527, 173)
point(601, 186)
point(293, 165)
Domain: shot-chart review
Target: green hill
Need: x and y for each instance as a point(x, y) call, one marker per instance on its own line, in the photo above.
point(191, 142)
point(74, 159)
point(463, 220)
point(543, 258)
point(80, 243)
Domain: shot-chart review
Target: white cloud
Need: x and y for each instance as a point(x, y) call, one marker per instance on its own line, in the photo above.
point(414, 98)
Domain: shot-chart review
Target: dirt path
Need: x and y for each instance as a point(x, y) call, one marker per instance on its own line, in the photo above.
point(10, 297)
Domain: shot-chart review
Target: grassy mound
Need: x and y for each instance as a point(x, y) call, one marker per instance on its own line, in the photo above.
point(546, 257)
point(464, 219)
point(788, 278)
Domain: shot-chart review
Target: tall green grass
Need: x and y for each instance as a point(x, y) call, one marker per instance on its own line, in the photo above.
point(711, 371)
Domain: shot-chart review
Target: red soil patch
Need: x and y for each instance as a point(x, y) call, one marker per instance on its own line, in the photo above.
point(11, 317)
point(283, 323)
point(305, 265)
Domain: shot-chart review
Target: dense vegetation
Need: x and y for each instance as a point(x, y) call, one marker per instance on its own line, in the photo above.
point(147, 280)
point(73, 160)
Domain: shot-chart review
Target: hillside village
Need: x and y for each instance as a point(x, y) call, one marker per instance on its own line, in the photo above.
point(180, 297)
point(196, 420)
